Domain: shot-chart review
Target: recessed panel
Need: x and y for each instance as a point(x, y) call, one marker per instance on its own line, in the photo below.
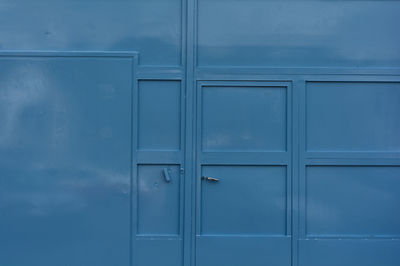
point(353, 116)
point(157, 252)
point(244, 250)
point(158, 200)
point(349, 252)
point(65, 149)
point(151, 27)
point(298, 33)
point(247, 200)
point(243, 118)
point(353, 200)
point(159, 115)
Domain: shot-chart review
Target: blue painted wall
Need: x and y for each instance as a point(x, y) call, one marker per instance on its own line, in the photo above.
point(112, 111)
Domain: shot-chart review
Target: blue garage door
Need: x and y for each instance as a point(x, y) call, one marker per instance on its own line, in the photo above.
point(199, 133)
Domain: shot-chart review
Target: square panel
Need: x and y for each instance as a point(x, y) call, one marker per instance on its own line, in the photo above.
point(244, 118)
point(353, 116)
point(159, 115)
point(353, 200)
point(247, 200)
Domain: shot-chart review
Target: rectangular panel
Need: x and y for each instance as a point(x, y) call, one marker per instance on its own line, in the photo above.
point(158, 200)
point(158, 252)
point(349, 252)
point(298, 33)
point(240, 251)
point(353, 116)
point(247, 200)
point(159, 115)
point(65, 149)
point(244, 118)
point(87, 25)
point(353, 201)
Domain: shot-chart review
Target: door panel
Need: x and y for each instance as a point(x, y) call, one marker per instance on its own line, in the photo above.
point(248, 118)
point(159, 114)
point(247, 200)
point(157, 251)
point(158, 200)
point(243, 251)
point(243, 181)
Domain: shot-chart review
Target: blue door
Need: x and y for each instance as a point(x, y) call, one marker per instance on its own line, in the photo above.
point(158, 176)
point(243, 174)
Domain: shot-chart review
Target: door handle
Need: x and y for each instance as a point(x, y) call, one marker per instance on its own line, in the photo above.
point(166, 175)
point(208, 178)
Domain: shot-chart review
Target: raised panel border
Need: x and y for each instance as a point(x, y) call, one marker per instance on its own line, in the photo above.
point(311, 156)
point(326, 154)
point(247, 83)
point(288, 201)
point(309, 235)
point(179, 146)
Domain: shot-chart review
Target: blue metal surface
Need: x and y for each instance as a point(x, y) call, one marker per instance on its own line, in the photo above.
point(199, 133)
point(65, 160)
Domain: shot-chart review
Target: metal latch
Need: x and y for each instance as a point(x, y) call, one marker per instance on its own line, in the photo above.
point(208, 178)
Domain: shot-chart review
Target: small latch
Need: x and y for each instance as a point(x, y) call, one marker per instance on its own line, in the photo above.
point(208, 178)
point(166, 173)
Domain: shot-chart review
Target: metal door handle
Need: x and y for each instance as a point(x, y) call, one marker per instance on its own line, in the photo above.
point(208, 178)
point(166, 174)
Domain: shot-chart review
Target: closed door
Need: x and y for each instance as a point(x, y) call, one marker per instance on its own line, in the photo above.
point(243, 193)
point(158, 174)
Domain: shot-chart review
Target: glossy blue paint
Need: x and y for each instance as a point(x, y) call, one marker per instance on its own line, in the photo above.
point(298, 33)
point(65, 160)
point(111, 112)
